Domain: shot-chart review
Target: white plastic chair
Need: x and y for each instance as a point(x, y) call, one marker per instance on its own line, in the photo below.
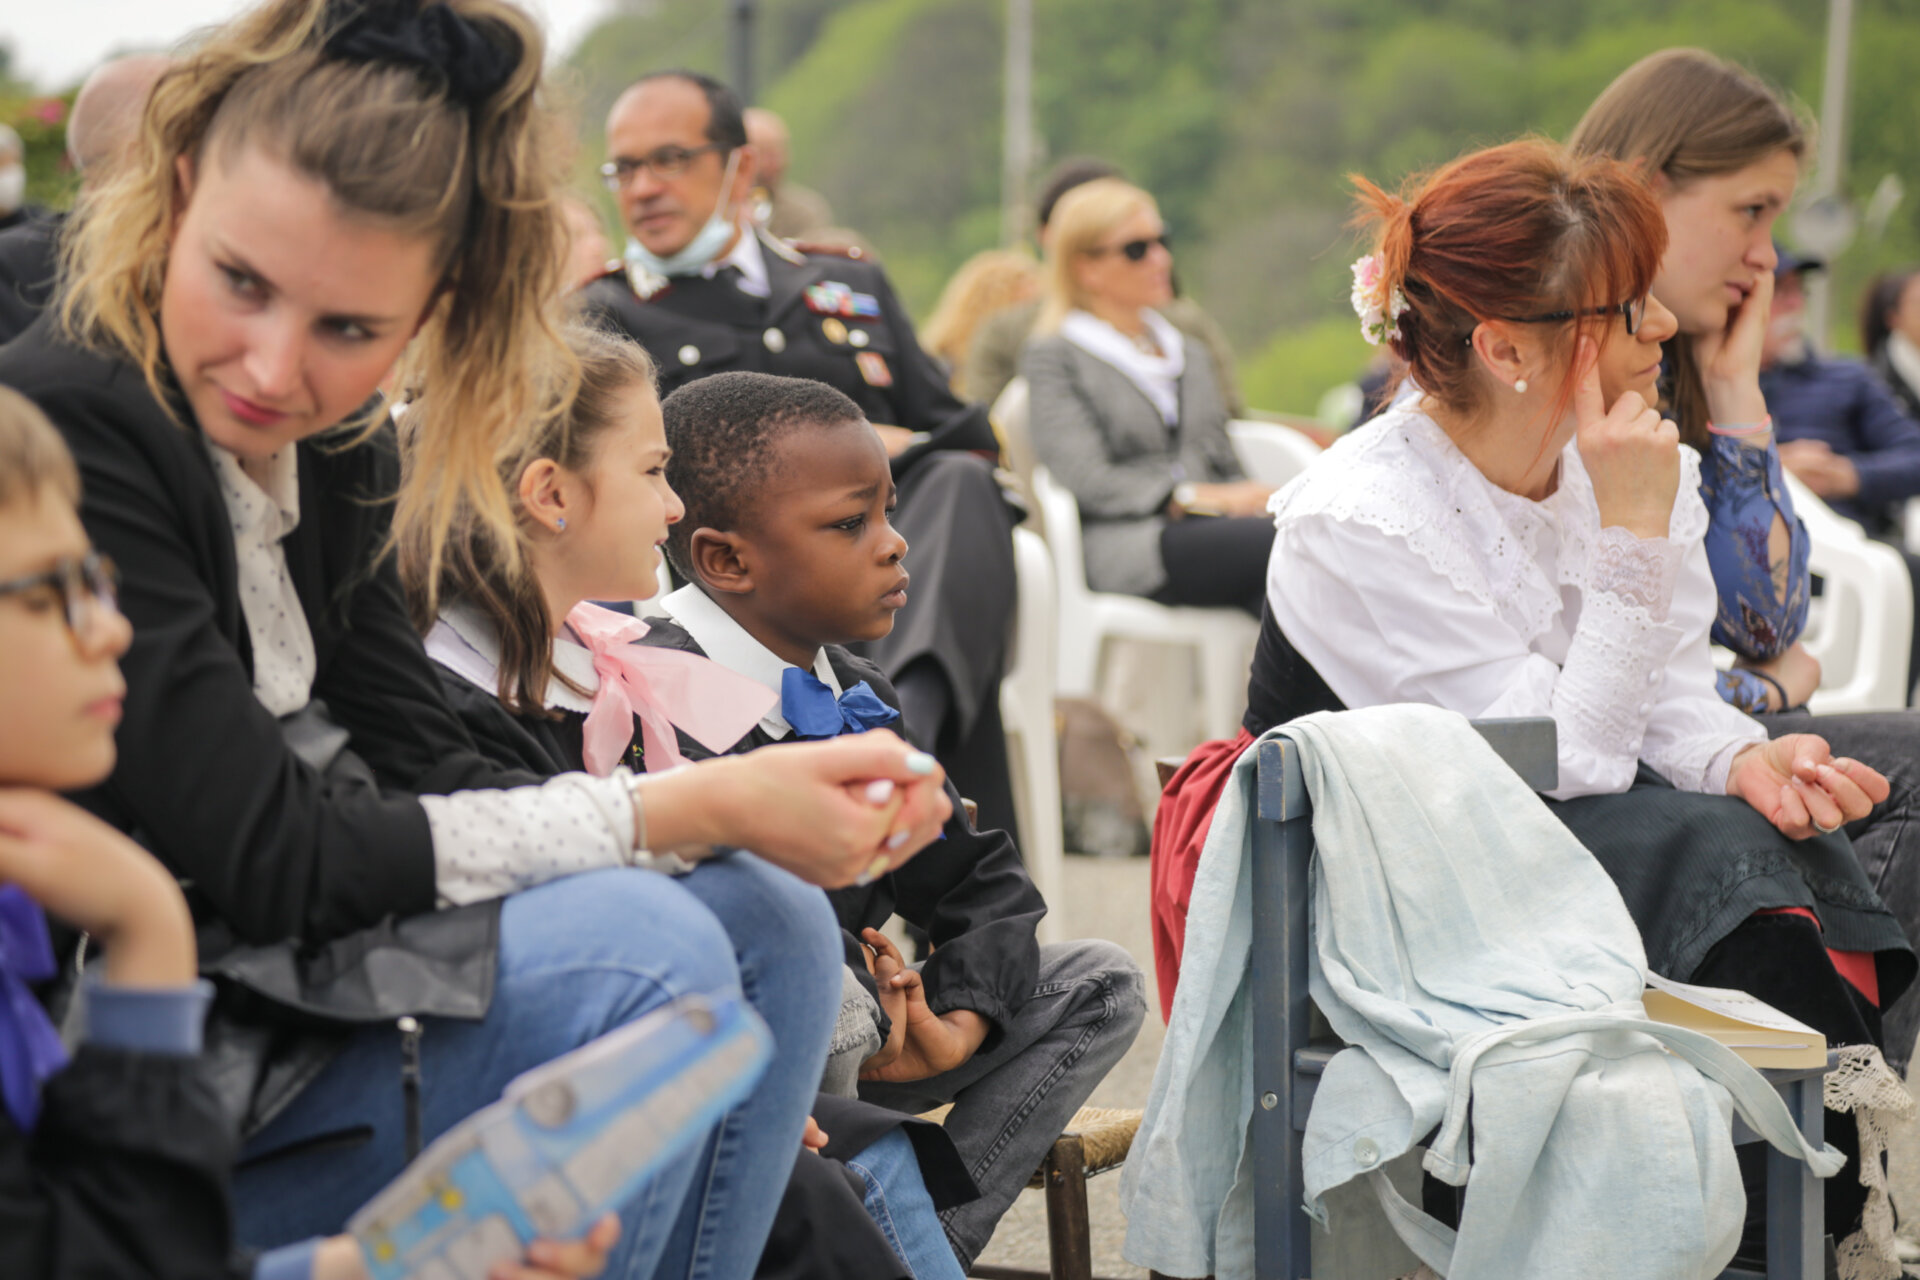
point(1271, 452)
point(1026, 710)
point(1221, 638)
point(1861, 627)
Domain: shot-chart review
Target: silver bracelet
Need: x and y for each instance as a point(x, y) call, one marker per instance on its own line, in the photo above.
point(640, 855)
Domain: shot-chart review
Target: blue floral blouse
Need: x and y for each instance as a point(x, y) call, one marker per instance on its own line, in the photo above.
point(1744, 490)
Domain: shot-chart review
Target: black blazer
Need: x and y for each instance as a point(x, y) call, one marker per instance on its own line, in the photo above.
point(969, 891)
point(694, 326)
point(124, 1175)
point(270, 849)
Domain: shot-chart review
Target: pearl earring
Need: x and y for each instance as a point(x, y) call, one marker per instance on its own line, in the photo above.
point(1520, 385)
point(560, 524)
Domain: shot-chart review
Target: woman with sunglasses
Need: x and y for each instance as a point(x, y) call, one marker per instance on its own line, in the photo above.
point(1131, 421)
point(398, 925)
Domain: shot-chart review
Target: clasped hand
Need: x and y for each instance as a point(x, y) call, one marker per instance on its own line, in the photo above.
point(1795, 783)
point(920, 1043)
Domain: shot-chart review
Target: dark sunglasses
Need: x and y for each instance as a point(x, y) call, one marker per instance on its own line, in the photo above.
point(666, 162)
point(1634, 311)
point(88, 587)
point(1135, 250)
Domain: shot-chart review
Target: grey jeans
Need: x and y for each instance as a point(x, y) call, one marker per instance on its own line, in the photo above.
point(1011, 1102)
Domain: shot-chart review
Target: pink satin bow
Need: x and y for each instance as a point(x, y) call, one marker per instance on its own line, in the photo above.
point(664, 689)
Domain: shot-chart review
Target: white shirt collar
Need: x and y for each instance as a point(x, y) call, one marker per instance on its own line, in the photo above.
point(1158, 377)
point(729, 644)
point(464, 641)
point(745, 255)
point(263, 499)
point(1905, 359)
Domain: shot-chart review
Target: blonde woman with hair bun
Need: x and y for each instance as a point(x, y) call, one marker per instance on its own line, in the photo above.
point(1128, 415)
point(322, 190)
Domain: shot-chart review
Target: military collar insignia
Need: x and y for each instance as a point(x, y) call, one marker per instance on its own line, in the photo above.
point(832, 298)
point(646, 285)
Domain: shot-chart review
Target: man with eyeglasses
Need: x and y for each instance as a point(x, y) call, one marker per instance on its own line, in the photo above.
point(705, 290)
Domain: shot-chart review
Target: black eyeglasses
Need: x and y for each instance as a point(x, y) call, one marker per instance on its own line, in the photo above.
point(1135, 250)
point(666, 162)
point(1634, 311)
point(88, 588)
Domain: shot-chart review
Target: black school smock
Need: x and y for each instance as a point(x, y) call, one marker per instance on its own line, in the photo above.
point(268, 848)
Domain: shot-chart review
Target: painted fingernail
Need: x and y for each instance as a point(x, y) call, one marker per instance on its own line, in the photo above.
point(919, 762)
point(898, 838)
point(880, 790)
point(875, 869)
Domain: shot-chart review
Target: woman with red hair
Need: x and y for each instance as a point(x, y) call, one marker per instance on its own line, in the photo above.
point(1522, 535)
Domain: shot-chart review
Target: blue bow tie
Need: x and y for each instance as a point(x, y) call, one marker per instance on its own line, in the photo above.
point(30, 1048)
point(809, 706)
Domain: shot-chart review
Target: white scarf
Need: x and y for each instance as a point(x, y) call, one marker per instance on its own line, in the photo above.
point(1158, 377)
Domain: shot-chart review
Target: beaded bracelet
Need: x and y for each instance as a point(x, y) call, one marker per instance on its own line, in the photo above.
point(1741, 430)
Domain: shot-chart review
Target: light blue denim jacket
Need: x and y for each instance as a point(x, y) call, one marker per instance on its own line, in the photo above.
point(1470, 951)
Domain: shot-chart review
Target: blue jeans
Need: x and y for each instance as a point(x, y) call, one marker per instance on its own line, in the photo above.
point(578, 957)
point(897, 1199)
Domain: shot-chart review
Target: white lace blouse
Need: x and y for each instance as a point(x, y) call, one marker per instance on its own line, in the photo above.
point(1402, 574)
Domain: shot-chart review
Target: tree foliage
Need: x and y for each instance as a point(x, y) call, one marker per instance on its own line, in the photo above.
point(1243, 117)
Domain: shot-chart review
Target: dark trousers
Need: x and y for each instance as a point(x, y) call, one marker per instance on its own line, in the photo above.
point(1216, 561)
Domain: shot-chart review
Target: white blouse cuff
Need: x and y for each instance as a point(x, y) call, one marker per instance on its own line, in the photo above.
point(1640, 571)
point(487, 844)
point(1611, 680)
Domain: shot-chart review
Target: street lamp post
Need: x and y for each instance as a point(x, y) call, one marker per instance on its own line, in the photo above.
point(1016, 148)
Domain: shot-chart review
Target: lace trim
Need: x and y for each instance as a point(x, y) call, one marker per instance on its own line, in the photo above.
point(1641, 571)
point(1864, 1085)
point(1402, 476)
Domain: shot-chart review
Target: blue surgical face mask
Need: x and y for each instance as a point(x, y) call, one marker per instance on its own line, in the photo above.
point(706, 244)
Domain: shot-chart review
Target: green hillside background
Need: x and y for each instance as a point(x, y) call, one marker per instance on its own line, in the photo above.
point(1242, 117)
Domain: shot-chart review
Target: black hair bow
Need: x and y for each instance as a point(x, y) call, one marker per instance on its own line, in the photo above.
point(432, 36)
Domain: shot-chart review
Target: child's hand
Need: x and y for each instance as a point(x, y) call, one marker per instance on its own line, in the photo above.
point(339, 1258)
point(935, 1043)
point(97, 880)
point(814, 1137)
point(893, 980)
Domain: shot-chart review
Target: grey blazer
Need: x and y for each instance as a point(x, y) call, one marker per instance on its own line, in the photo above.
point(1106, 442)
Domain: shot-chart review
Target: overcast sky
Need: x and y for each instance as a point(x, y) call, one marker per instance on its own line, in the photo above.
point(56, 42)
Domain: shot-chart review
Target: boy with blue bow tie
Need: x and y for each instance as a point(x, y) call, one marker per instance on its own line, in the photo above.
point(789, 556)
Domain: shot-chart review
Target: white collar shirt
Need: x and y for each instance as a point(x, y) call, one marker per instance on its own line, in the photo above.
point(263, 507)
point(1157, 376)
point(728, 643)
point(752, 264)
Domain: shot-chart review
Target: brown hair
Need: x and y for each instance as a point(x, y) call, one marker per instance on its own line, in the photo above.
point(496, 578)
point(1517, 230)
point(33, 458)
point(393, 145)
point(1877, 306)
point(1085, 216)
point(1686, 114)
point(985, 283)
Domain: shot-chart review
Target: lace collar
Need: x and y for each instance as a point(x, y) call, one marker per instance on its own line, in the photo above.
point(1403, 476)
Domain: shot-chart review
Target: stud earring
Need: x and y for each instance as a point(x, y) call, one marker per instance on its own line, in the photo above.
point(560, 524)
point(1520, 385)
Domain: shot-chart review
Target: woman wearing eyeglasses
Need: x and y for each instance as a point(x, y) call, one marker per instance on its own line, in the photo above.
point(1523, 535)
point(1131, 421)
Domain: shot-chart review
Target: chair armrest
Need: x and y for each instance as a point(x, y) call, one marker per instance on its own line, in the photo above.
point(1529, 744)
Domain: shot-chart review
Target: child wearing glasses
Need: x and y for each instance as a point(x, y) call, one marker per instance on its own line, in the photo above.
point(114, 1160)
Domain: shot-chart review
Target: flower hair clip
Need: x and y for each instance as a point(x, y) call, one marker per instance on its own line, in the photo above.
point(1379, 321)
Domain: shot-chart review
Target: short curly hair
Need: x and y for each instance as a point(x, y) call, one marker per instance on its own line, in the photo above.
point(722, 430)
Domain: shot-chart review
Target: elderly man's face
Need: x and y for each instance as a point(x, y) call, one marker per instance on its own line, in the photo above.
point(665, 121)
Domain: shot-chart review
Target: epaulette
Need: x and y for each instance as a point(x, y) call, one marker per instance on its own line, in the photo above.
point(782, 248)
point(811, 249)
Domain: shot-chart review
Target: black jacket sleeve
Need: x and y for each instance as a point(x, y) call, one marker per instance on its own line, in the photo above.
point(271, 847)
point(925, 399)
point(970, 893)
point(124, 1176)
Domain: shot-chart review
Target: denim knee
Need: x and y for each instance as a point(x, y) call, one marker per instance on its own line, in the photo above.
point(622, 921)
point(777, 922)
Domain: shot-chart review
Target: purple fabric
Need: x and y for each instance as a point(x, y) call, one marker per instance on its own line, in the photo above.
point(30, 1048)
